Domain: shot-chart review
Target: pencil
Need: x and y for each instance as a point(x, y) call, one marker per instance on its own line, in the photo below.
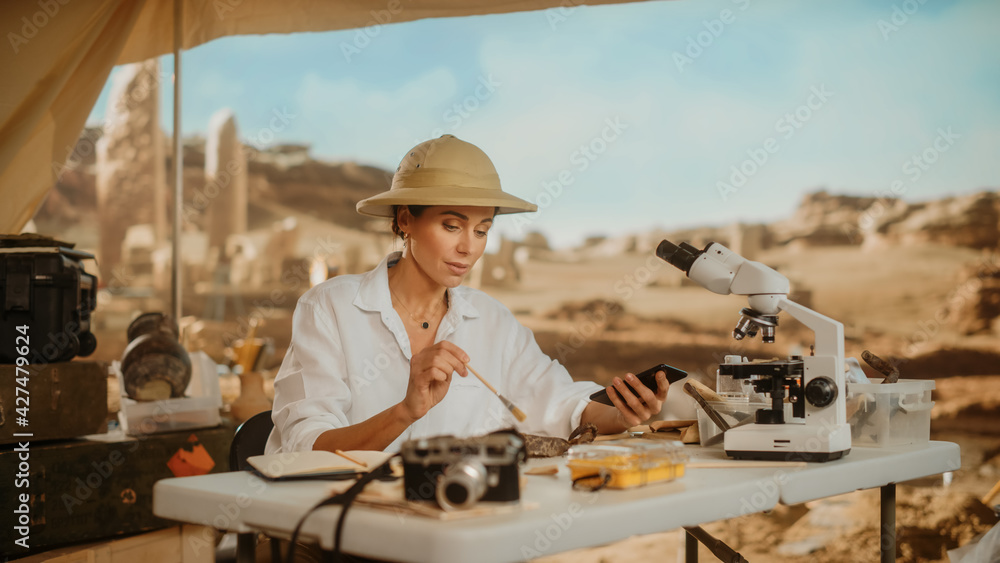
point(349, 458)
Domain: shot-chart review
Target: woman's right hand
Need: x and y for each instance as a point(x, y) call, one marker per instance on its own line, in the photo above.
point(430, 377)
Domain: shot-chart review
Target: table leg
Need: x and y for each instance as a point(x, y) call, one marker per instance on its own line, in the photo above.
point(888, 535)
point(246, 547)
point(690, 548)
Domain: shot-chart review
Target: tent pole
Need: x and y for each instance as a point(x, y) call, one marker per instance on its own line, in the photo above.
point(175, 260)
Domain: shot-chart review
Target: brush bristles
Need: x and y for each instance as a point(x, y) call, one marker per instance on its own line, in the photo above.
point(518, 414)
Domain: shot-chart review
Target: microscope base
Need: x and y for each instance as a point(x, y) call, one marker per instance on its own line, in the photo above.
point(788, 442)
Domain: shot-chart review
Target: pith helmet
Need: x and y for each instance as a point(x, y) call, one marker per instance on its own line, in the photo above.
point(444, 171)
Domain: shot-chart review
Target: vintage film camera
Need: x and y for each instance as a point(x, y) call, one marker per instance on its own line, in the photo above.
point(459, 472)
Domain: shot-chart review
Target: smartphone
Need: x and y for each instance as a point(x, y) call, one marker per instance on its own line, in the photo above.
point(648, 378)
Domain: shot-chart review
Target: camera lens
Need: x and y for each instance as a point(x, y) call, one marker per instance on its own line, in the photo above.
point(456, 493)
point(462, 485)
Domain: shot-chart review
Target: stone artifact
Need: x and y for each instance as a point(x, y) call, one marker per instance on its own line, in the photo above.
point(155, 365)
point(131, 175)
point(225, 180)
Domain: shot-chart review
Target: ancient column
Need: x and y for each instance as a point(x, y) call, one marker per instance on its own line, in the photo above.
point(131, 172)
point(225, 193)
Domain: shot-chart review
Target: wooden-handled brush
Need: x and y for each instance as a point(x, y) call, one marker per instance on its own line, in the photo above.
point(518, 413)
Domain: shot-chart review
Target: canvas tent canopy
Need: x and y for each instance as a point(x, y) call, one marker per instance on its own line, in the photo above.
point(59, 54)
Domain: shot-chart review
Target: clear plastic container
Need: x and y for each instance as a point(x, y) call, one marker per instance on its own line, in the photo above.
point(894, 414)
point(624, 464)
point(733, 412)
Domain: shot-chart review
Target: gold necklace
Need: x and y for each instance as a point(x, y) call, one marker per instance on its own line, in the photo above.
point(423, 324)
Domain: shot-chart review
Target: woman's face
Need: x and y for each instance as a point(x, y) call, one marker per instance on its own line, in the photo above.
point(446, 241)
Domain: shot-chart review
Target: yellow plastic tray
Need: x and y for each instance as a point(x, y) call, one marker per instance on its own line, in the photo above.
point(626, 465)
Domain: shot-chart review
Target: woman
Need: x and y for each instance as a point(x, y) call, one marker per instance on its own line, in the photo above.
point(372, 357)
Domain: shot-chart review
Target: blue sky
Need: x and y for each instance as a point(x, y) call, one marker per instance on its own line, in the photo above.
point(655, 114)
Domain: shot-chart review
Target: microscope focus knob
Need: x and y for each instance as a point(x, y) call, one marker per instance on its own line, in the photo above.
point(821, 392)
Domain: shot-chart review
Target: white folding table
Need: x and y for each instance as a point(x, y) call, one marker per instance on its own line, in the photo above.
point(561, 518)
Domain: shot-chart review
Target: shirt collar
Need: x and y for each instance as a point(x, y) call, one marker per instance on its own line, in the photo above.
point(373, 294)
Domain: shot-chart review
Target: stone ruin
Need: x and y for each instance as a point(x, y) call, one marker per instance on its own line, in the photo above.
point(225, 180)
point(254, 220)
point(971, 220)
point(974, 306)
point(131, 178)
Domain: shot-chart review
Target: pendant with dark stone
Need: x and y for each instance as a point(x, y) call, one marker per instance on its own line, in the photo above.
point(426, 324)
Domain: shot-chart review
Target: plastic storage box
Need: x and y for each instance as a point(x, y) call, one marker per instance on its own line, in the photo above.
point(733, 412)
point(894, 414)
point(623, 464)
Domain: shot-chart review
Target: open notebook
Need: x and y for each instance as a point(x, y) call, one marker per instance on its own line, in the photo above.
point(316, 464)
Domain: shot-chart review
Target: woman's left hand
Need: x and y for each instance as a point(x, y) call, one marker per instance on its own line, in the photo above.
point(637, 408)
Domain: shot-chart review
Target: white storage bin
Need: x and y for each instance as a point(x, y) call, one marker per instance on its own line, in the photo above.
point(894, 414)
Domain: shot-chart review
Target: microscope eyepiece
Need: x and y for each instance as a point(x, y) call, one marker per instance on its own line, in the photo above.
point(681, 257)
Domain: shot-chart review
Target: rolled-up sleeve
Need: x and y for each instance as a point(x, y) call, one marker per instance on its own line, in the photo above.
point(311, 391)
point(542, 387)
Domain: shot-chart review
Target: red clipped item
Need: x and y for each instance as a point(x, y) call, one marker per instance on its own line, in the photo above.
point(193, 461)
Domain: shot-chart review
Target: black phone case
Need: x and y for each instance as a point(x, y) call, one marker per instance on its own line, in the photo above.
point(648, 378)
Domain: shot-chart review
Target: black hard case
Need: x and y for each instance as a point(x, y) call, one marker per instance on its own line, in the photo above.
point(48, 291)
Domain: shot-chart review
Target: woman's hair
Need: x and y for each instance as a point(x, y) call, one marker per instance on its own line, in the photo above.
point(415, 210)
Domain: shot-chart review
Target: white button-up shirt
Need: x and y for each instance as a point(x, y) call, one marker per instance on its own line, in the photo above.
point(349, 359)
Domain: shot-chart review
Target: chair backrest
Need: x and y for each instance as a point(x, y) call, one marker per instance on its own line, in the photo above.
point(250, 439)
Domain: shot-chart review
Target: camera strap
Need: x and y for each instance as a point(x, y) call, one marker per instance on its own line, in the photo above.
point(346, 499)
